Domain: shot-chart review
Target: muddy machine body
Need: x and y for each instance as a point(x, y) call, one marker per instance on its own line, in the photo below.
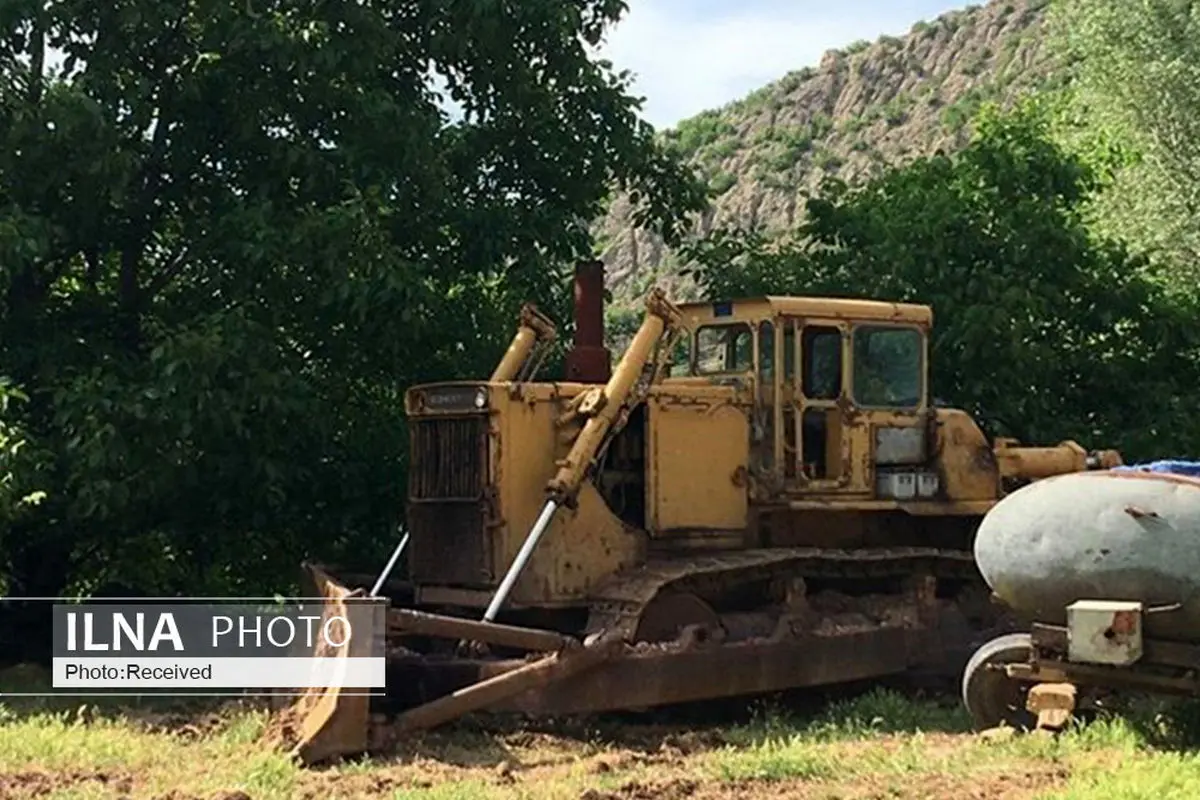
point(759, 495)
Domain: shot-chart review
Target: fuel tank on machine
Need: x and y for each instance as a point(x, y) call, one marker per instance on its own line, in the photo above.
point(1132, 534)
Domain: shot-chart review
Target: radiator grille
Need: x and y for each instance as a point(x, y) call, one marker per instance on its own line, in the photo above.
point(448, 458)
point(448, 474)
point(449, 545)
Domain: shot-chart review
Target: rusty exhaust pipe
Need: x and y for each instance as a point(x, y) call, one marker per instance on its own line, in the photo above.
point(588, 360)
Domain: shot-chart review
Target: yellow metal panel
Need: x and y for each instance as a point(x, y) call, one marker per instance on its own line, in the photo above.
point(965, 459)
point(838, 308)
point(851, 309)
point(698, 460)
point(856, 450)
point(697, 314)
point(583, 545)
point(528, 447)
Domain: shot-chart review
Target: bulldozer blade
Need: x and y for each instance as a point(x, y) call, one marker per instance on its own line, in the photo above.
point(324, 723)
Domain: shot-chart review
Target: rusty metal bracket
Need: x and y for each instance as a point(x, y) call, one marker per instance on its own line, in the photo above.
point(539, 673)
point(422, 623)
point(1101, 676)
point(1050, 645)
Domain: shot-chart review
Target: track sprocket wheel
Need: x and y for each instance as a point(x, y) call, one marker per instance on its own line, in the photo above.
point(664, 618)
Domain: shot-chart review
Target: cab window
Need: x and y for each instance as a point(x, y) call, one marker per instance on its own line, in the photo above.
point(681, 357)
point(766, 350)
point(822, 363)
point(724, 348)
point(888, 364)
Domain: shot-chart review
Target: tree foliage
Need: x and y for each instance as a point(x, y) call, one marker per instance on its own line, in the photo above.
point(233, 233)
point(1136, 95)
point(1042, 330)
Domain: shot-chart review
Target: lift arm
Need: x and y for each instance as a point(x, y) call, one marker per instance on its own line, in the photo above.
point(603, 408)
point(533, 328)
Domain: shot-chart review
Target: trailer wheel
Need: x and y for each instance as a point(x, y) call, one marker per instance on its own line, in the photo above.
point(991, 697)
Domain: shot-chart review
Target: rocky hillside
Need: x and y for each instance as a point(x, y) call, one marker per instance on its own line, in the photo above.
point(868, 105)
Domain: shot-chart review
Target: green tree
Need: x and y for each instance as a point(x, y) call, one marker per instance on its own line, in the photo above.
point(232, 233)
point(1042, 330)
point(1136, 95)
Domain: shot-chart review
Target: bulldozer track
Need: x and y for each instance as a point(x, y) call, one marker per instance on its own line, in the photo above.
point(616, 605)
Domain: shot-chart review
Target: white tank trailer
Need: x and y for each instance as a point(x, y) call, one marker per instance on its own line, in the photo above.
point(1104, 568)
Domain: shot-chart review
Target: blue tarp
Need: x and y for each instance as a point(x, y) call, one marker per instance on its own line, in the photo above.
point(1191, 468)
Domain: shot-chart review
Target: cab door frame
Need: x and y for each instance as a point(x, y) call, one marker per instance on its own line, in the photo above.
point(857, 438)
point(891, 435)
point(782, 406)
point(829, 410)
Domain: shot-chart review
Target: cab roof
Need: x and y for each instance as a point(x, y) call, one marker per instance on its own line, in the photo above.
point(834, 308)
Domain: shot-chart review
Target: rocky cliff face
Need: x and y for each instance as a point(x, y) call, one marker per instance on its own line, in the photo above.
point(870, 105)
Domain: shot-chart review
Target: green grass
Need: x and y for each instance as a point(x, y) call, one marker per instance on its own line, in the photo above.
point(878, 744)
point(108, 750)
point(882, 735)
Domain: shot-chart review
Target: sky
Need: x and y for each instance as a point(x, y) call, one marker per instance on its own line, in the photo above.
point(691, 55)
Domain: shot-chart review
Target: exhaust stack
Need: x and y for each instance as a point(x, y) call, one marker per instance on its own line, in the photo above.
point(588, 360)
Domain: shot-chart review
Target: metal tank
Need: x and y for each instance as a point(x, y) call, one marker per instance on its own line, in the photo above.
point(1112, 535)
point(1105, 567)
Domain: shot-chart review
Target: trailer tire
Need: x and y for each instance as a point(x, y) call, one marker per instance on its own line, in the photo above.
point(991, 697)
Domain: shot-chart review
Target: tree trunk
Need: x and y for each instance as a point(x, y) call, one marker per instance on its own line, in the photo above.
point(38, 567)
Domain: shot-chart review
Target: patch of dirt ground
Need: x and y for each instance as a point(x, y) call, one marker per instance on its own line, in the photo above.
point(553, 768)
point(38, 783)
point(1019, 785)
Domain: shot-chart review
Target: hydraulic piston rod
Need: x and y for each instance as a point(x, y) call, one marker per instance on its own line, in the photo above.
point(391, 564)
point(514, 570)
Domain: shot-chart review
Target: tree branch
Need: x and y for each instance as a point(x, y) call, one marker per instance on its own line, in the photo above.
point(92, 257)
point(174, 266)
point(37, 44)
point(145, 215)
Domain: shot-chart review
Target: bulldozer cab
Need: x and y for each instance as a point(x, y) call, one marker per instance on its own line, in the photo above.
point(840, 388)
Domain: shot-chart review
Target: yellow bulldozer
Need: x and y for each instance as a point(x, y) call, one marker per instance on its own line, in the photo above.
point(761, 495)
